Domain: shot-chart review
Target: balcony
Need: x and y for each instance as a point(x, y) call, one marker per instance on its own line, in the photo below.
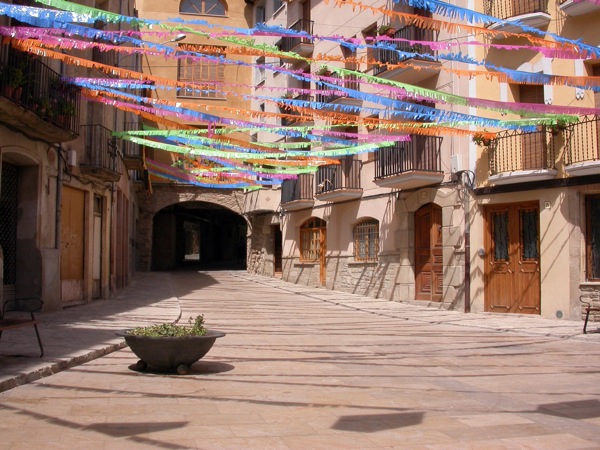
point(133, 156)
point(297, 117)
point(297, 193)
point(532, 13)
point(582, 147)
point(578, 8)
point(409, 165)
point(420, 69)
point(519, 157)
point(339, 182)
point(303, 46)
point(34, 100)
point(338, 97)
point(102, 160)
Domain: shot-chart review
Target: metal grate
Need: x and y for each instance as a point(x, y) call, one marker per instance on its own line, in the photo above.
point(366, 240)
point(8, 221)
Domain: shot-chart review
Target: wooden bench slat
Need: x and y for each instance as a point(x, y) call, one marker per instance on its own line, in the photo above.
point(7, 324)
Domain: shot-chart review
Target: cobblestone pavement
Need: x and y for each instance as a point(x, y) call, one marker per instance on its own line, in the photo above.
point(300, 368)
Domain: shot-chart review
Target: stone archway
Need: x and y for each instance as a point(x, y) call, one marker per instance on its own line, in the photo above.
point(166, 199)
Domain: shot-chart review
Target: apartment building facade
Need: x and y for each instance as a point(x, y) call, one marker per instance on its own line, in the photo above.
point(68, 204)
point(387, 223)
point(502, 225)
point(535, 204)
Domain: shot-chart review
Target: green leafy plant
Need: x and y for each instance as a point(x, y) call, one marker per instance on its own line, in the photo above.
point(558, 126)
point(195, 327)
point(482, 139)
point(386, 30)
point(323, 70)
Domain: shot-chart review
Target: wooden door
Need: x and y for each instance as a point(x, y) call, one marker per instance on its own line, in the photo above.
point(277, 249)
point(512, 271)
point(428, 253)
point(323, 256)
point(72, 244)
point(534, 149)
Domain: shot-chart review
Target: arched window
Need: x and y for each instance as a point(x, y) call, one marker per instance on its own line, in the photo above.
point(312, 239)
point(202, 7)
point(366, 240)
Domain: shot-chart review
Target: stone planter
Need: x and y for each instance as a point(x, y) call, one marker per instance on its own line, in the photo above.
point(170, 353)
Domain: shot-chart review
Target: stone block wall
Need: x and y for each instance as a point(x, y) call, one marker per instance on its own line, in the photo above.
point(590, 293)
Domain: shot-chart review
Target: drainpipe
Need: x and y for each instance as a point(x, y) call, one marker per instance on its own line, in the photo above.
point(467, 239)
point(59, 183)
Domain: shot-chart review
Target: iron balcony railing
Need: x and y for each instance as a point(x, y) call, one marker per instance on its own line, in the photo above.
point(101, 156)
point(582, 141)
point(421, 153)
point(300, 188)
point(411, 33)
point(288, 43)
point(514, 150)
point(287, 121)
point(349, 81)
point(505, 9)
point(33, 85)
point(130, 149)
point(338, 176)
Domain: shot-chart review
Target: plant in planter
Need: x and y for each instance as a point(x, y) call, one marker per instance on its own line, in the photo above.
point(15, 80)
point(65, 111)
point(323, 71)
point(386, 30)
point(170, 346)
point(483, 139)
point(558, 126)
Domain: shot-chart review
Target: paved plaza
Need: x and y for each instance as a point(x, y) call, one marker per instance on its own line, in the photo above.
point(300, 368)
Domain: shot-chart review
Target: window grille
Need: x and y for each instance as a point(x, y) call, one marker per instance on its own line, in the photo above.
point(201, 71)
point(202, 7)
point(366, 240)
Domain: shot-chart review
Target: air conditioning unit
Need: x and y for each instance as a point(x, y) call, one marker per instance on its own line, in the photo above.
point(72, 158)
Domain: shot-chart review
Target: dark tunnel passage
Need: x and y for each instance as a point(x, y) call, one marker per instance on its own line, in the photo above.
point(198, 235)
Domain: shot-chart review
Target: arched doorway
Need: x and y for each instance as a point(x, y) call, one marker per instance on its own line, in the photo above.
point(22, 260)
point(428, 253)
point(200, 235)
point(313, 245)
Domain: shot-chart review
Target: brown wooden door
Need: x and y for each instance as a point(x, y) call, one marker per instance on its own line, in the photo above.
point(512, 272)
point(323, 256)
point(428, 253)
point(72, 244)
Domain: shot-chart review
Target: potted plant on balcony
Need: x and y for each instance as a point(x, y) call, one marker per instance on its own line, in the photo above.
point(65, 110)
point(386, 30)
point(14, 81)
point(169, 346)
point(558, 126)
point(323, 71)
point(483, 139)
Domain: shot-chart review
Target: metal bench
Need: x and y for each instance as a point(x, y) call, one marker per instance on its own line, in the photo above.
point(21, 305)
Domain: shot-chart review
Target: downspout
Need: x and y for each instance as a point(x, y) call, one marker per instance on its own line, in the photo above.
point(59, 183)
point(467, 239)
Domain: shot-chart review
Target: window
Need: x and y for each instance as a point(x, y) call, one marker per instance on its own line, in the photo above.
point(201, 71)
point(276, 5)
point(259, 71)
point(366, 240)
point(312, 235)
point(202, 7)
point(592, 237)
point(261, 16)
